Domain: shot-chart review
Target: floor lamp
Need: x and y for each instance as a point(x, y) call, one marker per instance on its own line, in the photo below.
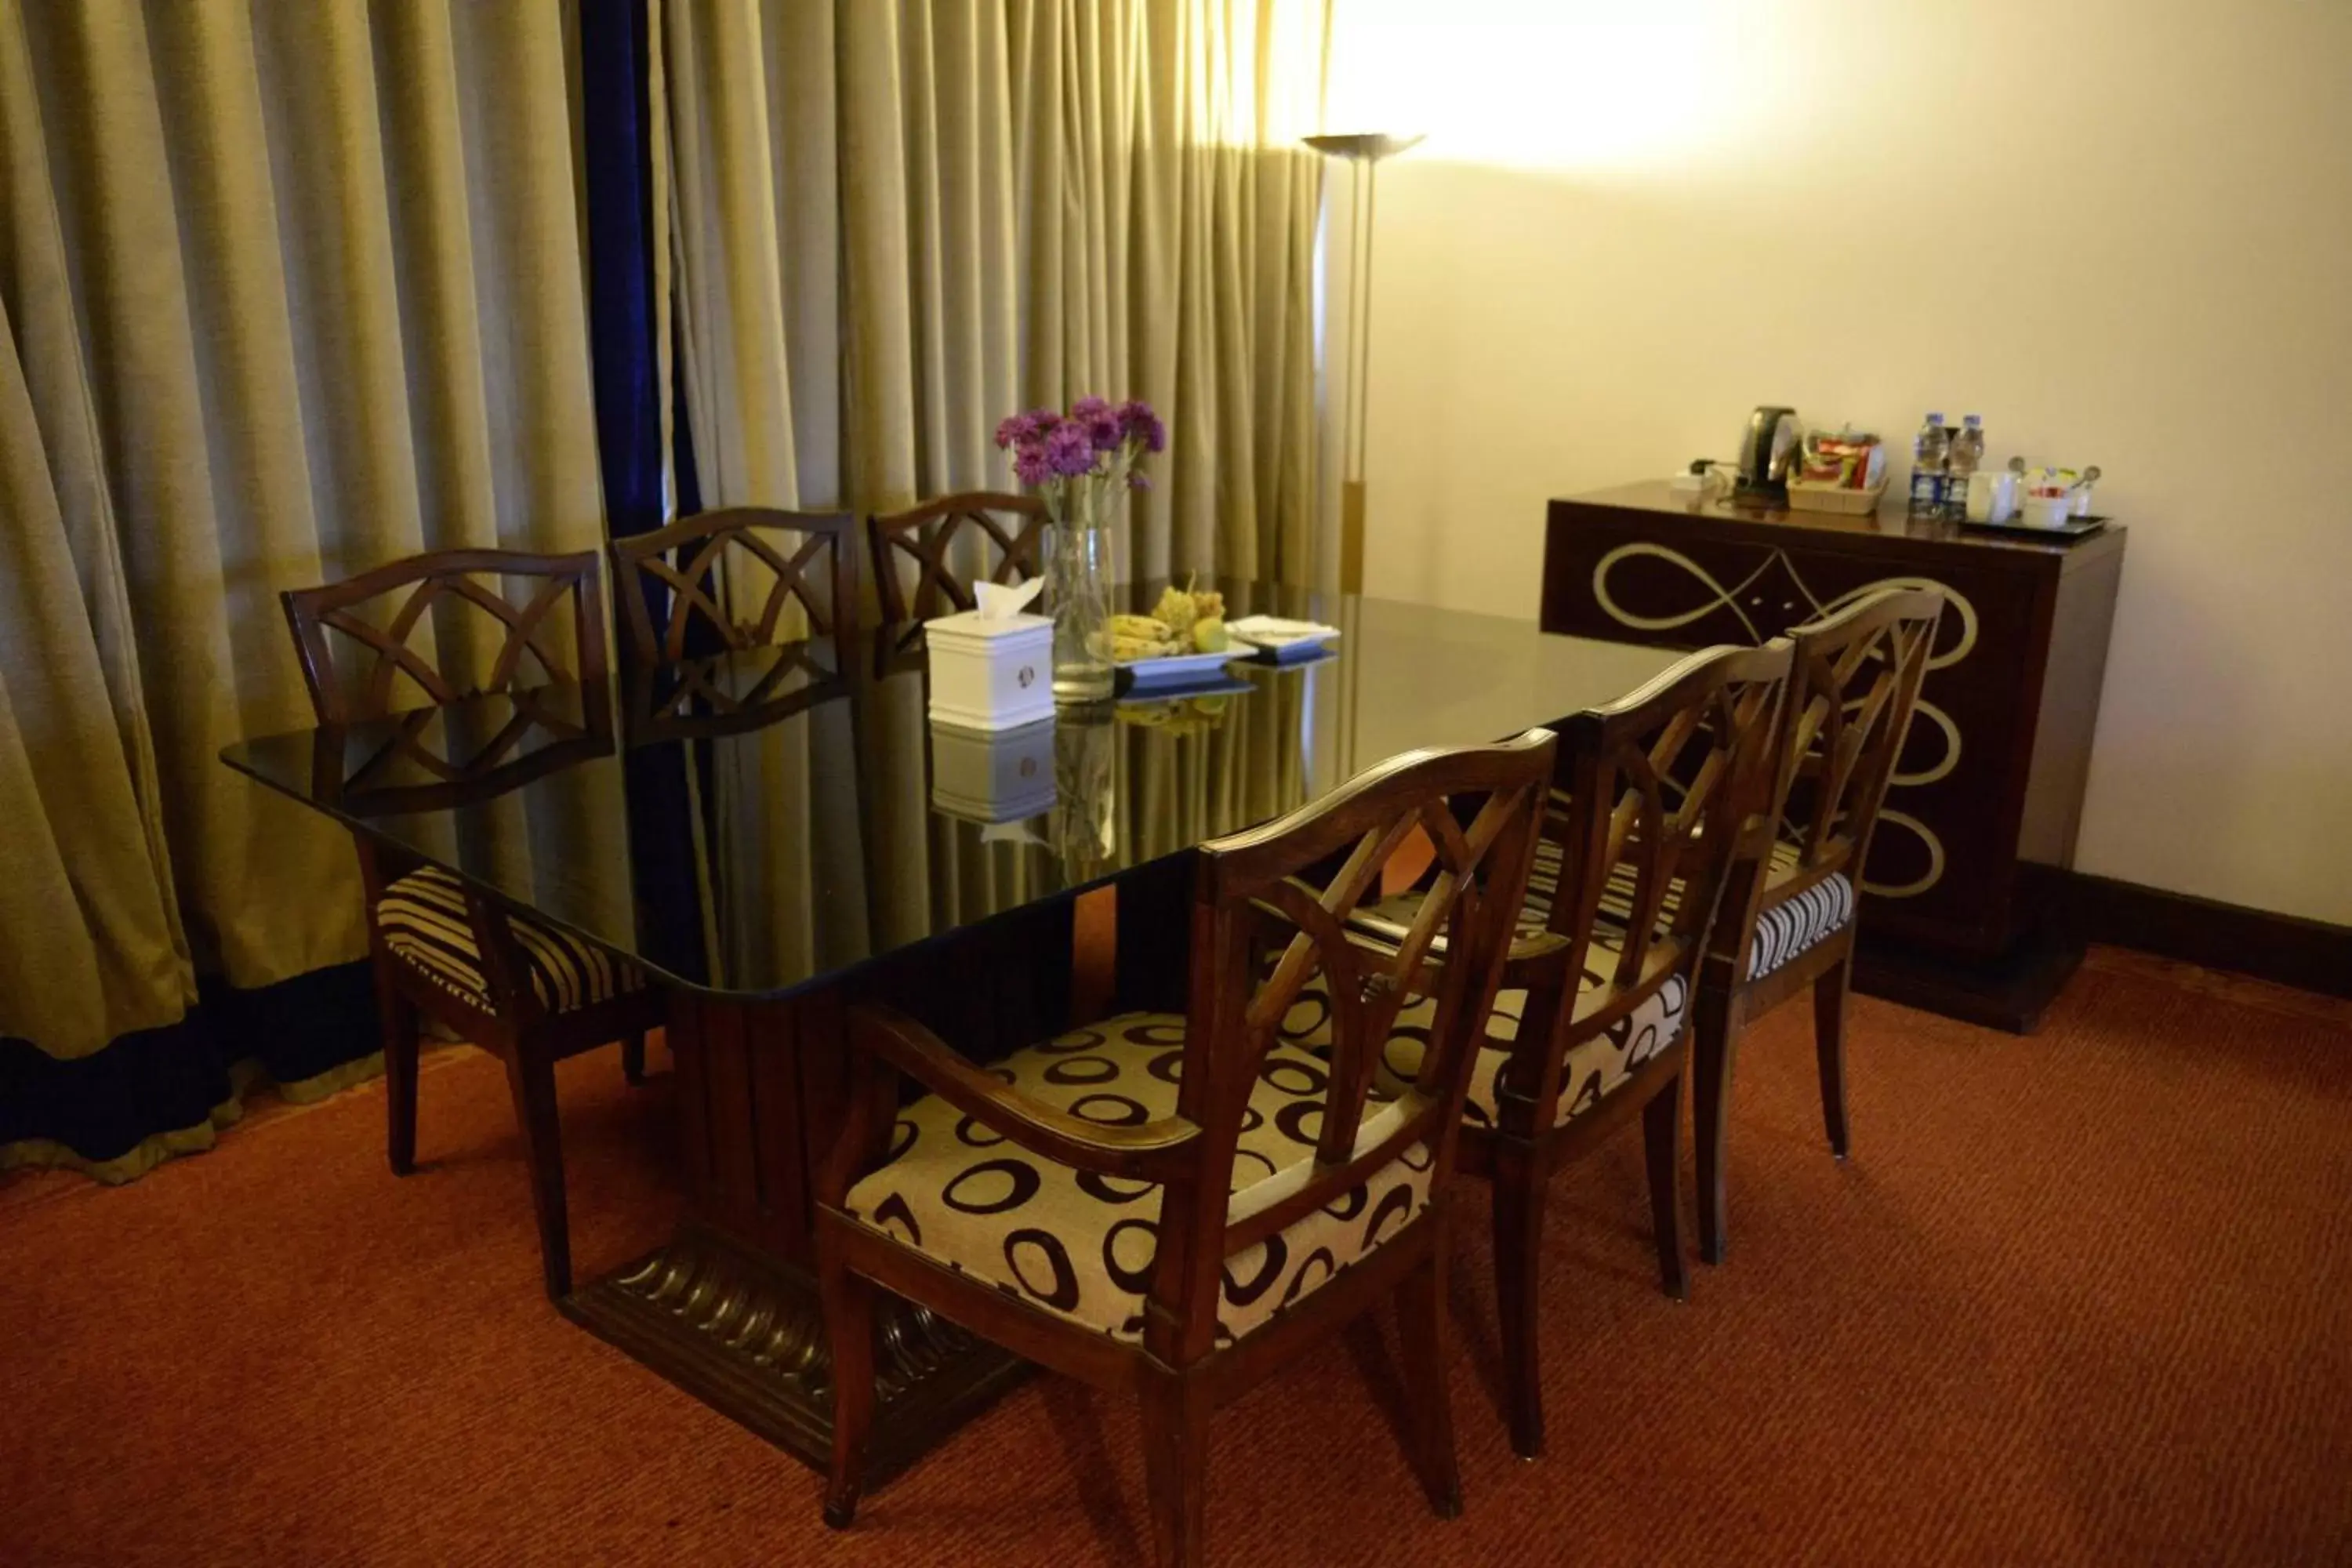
point(1363, 153)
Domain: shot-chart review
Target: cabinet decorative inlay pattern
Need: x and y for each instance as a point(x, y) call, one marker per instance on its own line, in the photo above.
point(1709, 595)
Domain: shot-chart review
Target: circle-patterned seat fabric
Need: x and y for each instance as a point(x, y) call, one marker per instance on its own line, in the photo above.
point(1595, 1067)
point(1083, 1245)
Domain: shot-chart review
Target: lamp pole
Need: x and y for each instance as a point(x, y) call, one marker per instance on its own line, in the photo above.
point(1363, 153)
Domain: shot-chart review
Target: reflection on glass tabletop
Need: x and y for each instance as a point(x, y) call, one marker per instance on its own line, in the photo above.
point(753, 824)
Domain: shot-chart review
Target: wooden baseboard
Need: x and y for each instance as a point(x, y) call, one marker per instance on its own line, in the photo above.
point(2310, 955)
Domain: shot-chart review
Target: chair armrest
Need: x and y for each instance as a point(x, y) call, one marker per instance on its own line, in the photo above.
point(1154, 1151)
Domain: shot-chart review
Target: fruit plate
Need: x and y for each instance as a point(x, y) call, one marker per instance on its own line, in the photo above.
point(1174, 671)
point(1271, 638)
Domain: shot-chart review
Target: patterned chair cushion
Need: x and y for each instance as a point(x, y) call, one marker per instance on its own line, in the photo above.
point(1593, 1068)
point(1784, 929)
point(1082, 1245)
point(1788, 926)
point(423, 919)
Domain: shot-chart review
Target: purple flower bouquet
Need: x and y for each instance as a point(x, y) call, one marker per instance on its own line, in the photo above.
point(1093, 442)
point(1080, 461)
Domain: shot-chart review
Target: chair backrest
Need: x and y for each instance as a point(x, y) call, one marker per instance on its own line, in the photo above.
point(1269, 916)
point(1850, 697)
point(701, 566)
point(1012, 528)
point(557, 586)
point(1659, 788)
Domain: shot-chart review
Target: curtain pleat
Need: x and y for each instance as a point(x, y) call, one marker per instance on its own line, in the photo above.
point(290, 290)
point(94, 947)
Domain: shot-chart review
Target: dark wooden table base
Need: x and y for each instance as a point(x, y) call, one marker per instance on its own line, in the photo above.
point(743, 1334)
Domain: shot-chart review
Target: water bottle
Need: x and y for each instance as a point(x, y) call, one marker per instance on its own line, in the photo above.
point(1930, 453)
point(1966, 457)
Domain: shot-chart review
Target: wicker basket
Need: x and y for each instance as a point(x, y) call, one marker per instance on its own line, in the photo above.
point(1843, 499)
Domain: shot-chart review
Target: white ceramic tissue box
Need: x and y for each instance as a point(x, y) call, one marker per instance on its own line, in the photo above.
point(990, 673)
point(999, 775)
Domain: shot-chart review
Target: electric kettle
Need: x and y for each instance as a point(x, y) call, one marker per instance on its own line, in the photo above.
point(1767, 448)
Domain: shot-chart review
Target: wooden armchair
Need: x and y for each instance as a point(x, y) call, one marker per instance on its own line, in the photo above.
point(1174, 1205)
point(926, 537)
point(1789, 921)
point(527, 993)
point(689, 563)
point(1592, 1021)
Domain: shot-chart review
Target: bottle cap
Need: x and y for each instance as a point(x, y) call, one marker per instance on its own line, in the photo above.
point(1972, 420)
point(1935, 419)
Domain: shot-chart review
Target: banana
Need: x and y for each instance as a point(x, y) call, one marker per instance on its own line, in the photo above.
point(1128, 649)
point(1145, 627)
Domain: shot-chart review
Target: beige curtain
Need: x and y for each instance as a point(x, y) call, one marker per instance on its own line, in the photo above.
point(288, 290)
point(899, 220)
point(895, 221)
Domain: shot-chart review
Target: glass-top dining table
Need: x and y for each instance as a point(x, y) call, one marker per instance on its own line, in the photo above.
point(773, 834)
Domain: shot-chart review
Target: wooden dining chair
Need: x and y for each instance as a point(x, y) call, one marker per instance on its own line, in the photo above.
point(1789, 917)
point(1012, 531)
point(1173, 1206)
point(525, 991)
point(810, 559)
point(1592, 1021)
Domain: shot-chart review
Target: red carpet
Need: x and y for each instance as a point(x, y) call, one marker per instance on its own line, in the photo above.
point(2085, 1298)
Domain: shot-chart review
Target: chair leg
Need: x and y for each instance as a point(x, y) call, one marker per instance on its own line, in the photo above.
point(1662, 1125)
point(397, 1015)
point(1421, 1345)
point(530, 1078)
point(1829, 1045)
point(1713, 1038)
point(633, 1058)
point(1176, 1467)
point(849, 1321)
point(1518, 1196)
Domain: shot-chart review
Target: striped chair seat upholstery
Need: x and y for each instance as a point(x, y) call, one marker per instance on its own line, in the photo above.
point(1787, 927)
point(1791, 924)
point(422, 917)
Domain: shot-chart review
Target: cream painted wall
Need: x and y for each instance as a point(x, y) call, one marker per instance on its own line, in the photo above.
point(2119, 229)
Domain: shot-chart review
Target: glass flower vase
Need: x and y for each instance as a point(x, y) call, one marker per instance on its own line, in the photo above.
point(1077, 589)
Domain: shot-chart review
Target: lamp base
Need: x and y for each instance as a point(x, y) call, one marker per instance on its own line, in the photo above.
point(1352, 536)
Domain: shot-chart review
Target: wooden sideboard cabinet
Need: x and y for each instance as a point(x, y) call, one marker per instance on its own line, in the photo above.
point(1957, 915)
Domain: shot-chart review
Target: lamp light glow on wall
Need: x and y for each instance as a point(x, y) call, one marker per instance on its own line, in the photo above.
point(1602, 90)
point(1363, 152)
